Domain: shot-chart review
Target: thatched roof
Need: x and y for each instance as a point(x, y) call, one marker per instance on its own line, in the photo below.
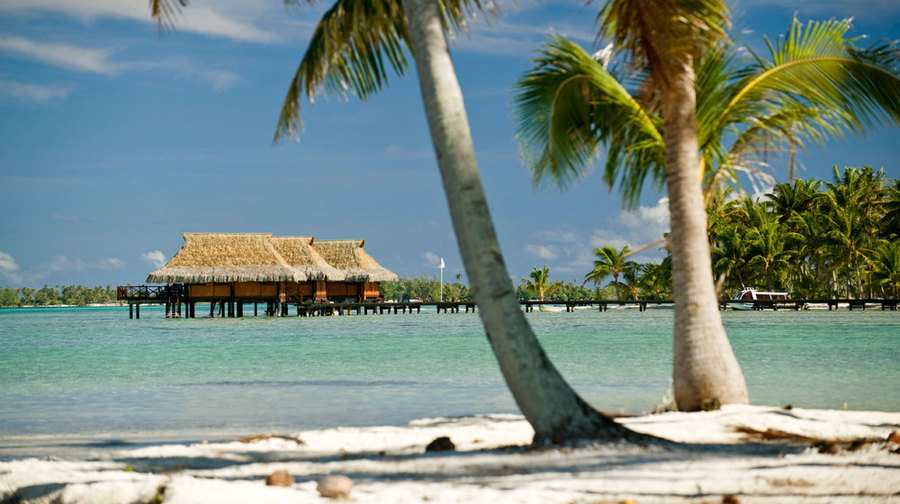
point(299, 254)
point(350, 257)
point(261, 257)
point(225, 257)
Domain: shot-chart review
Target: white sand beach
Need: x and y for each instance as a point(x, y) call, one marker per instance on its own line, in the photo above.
point(746, 454)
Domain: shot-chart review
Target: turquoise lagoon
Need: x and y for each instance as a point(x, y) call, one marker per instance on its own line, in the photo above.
point(93, 371)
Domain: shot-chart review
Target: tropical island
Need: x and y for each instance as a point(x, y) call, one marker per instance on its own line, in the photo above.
point(672, 100)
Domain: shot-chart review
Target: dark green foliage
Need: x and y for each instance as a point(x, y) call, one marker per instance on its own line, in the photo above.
point(809, 238)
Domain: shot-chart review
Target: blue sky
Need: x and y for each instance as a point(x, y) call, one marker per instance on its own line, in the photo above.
point(115, 140)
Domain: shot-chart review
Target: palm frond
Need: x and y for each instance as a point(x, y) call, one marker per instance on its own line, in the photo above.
point(165, 12)
point(818, 68)
point(352, 48)
point(569, 105)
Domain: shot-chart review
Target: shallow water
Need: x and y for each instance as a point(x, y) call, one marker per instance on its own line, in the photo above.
point(92, 371)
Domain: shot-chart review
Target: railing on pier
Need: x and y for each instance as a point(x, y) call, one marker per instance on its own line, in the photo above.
point(147, 294)
point(174, 297)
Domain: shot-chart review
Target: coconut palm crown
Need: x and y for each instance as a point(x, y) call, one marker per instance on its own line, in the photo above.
point(814, 84)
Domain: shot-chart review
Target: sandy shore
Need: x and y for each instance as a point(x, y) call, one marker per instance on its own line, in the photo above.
point(757, 454)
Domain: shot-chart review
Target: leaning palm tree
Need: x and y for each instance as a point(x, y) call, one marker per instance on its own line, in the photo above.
point(355, 45)
point(814, 85)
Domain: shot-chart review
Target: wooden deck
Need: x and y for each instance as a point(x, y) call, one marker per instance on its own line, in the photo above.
point(178, 305)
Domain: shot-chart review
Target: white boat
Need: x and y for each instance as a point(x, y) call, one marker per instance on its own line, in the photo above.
point(551, 308)
point(749, 295)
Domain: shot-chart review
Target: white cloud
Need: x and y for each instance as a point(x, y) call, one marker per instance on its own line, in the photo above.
point(556, 235)
point(63, 263)
point(10, 270)
point(68, 56)
point(110, 263)
point(218, 19)
point(8, 265)
point(33, 93)
point(547, 253)
point(91, 60)
point(432, 260)
point(569, 252)
point(219, 80)
point(154, 258)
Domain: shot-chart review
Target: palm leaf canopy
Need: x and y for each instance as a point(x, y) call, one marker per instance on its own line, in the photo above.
point(814, 85)
point(565, 108)
point(355, 46)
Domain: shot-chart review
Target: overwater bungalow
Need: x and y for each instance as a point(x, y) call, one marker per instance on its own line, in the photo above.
point(230, 269)
point(362, 273)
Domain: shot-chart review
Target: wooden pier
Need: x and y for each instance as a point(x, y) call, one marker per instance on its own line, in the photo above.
point(178, 305)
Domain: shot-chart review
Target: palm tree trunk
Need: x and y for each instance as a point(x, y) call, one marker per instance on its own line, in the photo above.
point(555, 411)
point(705, 370)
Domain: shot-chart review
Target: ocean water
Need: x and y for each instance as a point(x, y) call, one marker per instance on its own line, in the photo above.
point(95, 372)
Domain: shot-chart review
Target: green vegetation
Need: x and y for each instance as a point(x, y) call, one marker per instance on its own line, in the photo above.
point(76, 295)
point(811, 239)
point(424, 288)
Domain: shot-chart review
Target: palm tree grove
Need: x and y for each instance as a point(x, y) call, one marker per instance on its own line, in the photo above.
point(812, 239)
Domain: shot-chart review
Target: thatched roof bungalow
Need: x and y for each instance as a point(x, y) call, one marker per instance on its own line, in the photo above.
point(300, 254)
point(234, 268)
point(226, 257)
point(350, 257)
point(262, 257)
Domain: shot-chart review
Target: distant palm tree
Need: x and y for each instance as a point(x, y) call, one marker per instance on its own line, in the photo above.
point(538, 282)
point(656, 279)
point(890, 224)
point(796, 196)
point(730, 253)
point(815, 85)
point(355, 45)
point(886, 271)
point(610, 262)
point(767, 250)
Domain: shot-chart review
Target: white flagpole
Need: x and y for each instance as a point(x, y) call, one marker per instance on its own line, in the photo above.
point(442, 279)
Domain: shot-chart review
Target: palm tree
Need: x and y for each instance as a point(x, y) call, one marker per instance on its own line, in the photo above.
point(795, 196)
point(886, 271)
point(610, 262)
point(352, 45)
point(653, 131)
point(539, 283)
point(816, 84)
point(729, 255)
point(656, 280)
point(890, 224)
point(767, 250)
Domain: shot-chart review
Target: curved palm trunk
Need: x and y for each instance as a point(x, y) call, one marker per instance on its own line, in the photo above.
point(555, 411)
point(705, 371)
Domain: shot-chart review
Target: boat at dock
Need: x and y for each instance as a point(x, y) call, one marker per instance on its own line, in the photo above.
point(751, 296)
